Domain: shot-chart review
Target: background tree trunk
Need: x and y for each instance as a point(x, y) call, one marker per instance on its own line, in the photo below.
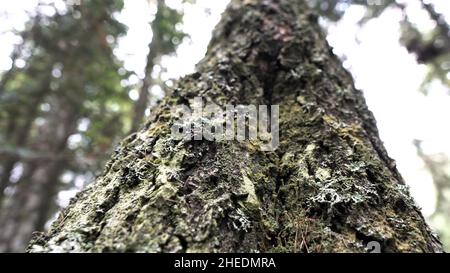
point(147, 82)
point(20, 134)
point(56, 112)
point(329, 187)
point(36, 191)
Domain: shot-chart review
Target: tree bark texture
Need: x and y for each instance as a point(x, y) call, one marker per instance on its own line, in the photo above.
point(329, 187)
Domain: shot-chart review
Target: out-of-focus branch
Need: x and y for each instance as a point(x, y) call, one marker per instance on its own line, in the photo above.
point(440, 178)
point(428, 50)
point(147, 82)
point(164, 42)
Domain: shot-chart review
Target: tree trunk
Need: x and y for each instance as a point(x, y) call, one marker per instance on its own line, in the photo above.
point(17, 211)
point(21, 134)
point(329, 187)
point(33, 202)
point(156, 50)
point(142, 102)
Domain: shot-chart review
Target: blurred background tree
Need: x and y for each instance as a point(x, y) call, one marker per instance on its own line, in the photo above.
point(431, 48)
point(439, 167)
point(64, 105)
point(68, 98)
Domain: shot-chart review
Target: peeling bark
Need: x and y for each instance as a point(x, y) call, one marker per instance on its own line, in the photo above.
point(329, 187)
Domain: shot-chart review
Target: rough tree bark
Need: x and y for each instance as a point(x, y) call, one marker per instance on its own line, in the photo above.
point(329, 187)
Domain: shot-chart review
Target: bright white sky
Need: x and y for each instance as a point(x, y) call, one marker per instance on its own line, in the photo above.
point(388, 75)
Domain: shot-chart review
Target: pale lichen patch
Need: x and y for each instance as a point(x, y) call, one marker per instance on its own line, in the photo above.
point(251, 202)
